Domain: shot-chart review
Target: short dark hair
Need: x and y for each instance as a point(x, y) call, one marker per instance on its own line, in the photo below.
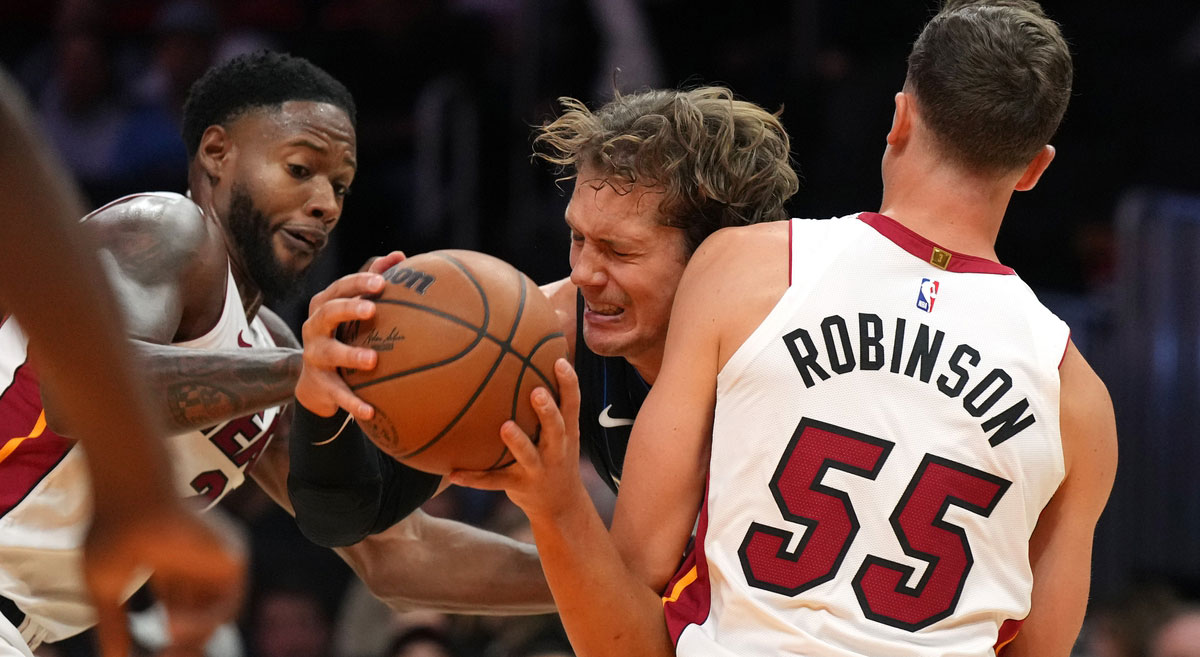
point(721, 161)
point(256, 80)
point(992, 79)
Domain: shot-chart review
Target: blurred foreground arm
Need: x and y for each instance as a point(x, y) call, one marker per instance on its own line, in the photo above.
point(50, 279)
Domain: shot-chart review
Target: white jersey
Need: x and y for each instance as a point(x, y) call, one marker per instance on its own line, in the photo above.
point(883, 445)
point(45, 498)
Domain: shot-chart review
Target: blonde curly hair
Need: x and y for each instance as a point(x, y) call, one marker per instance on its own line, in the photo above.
point(719, 161)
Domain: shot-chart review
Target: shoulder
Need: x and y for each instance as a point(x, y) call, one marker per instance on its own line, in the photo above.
point(744, 267)
point(280, 332)
point(731, 259)
point(154, 214)
point(744, 246)
point(561, 294)
point(152, 234)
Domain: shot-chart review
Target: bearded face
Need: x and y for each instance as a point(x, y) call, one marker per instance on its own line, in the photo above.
point(254, 238)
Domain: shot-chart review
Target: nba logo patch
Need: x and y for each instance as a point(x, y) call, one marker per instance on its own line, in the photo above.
point(927, 294)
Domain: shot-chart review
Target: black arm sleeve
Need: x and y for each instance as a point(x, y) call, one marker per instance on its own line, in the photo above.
point(345, 489)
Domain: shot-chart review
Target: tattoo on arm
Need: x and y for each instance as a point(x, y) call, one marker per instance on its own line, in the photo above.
point(202, 388)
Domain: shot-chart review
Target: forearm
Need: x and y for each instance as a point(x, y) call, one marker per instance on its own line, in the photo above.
point(198, 388)
point(604, 608)
point(342, 487)
point(432, 563)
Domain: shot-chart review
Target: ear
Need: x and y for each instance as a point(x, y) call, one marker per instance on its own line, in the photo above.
point(214, 152)
point(1036, 167)
point(901, 121)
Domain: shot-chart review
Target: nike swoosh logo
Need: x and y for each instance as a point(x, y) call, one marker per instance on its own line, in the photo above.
point(609, 422)
point(242, 342)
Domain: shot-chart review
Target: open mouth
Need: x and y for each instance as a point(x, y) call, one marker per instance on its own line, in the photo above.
point(603, 309)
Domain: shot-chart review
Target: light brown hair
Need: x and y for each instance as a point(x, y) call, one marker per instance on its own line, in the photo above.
point(719, 161)
point(992, 79)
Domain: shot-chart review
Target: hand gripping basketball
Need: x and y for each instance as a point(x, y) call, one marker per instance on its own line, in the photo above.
point(545, 480)
point(320, 388)
point(461, 339)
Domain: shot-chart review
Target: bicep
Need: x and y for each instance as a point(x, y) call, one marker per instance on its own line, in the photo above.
point(1060, 548)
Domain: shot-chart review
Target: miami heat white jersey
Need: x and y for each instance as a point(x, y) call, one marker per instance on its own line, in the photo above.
point(882, 447)
point(45, 503)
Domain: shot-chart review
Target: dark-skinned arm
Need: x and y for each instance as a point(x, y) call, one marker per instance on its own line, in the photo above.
point(200, 388)
point(416, 561)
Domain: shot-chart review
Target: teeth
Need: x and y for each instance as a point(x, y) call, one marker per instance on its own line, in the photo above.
point(605, 310)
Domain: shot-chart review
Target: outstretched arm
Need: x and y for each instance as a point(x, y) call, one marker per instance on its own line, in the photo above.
point(414, 561)
point(343, 488)
point(51, 280)
point(201, 388)
point(432, 563)
point(1060, 549)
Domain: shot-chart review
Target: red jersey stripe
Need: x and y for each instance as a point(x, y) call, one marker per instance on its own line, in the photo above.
point(688, 603)
point(28, 454)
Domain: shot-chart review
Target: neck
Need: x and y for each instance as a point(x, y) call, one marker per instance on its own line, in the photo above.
point(200, 188)
point(959, 211)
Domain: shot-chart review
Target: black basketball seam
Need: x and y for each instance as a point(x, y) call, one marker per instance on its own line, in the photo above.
point(505, 345)
point(497, 464)
point(520, 309)
point(512, 412)
point(538, 345)
point(450, 425)
point(481, 333)
point(415, 370)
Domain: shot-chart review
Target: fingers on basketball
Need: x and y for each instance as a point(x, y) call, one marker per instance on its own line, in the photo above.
point(462, 338)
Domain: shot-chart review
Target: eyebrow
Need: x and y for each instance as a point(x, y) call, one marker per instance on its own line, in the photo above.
point(308, 143)
point(607, 242)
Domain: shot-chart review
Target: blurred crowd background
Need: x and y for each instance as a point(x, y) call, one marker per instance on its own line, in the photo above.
point(448, 91)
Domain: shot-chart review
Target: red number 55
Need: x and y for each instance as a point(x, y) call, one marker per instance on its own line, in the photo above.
point(918, 521)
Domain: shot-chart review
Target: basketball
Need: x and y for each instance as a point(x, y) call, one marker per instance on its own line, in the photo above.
point(463, 338)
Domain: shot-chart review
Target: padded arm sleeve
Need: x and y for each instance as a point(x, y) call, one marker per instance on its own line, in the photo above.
point(342, 487)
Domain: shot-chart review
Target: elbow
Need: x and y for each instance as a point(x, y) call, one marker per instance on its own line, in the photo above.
point(330, 517)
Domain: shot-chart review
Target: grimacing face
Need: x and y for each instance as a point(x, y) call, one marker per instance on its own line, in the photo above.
point(627, 265)
point(294, 165)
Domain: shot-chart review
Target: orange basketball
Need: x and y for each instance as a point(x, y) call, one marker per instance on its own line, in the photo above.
point(462, 338)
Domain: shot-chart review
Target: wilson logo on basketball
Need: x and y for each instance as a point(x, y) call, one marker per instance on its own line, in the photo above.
point(417, 281)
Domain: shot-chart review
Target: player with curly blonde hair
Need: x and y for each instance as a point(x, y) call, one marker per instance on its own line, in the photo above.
point(654, 174)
